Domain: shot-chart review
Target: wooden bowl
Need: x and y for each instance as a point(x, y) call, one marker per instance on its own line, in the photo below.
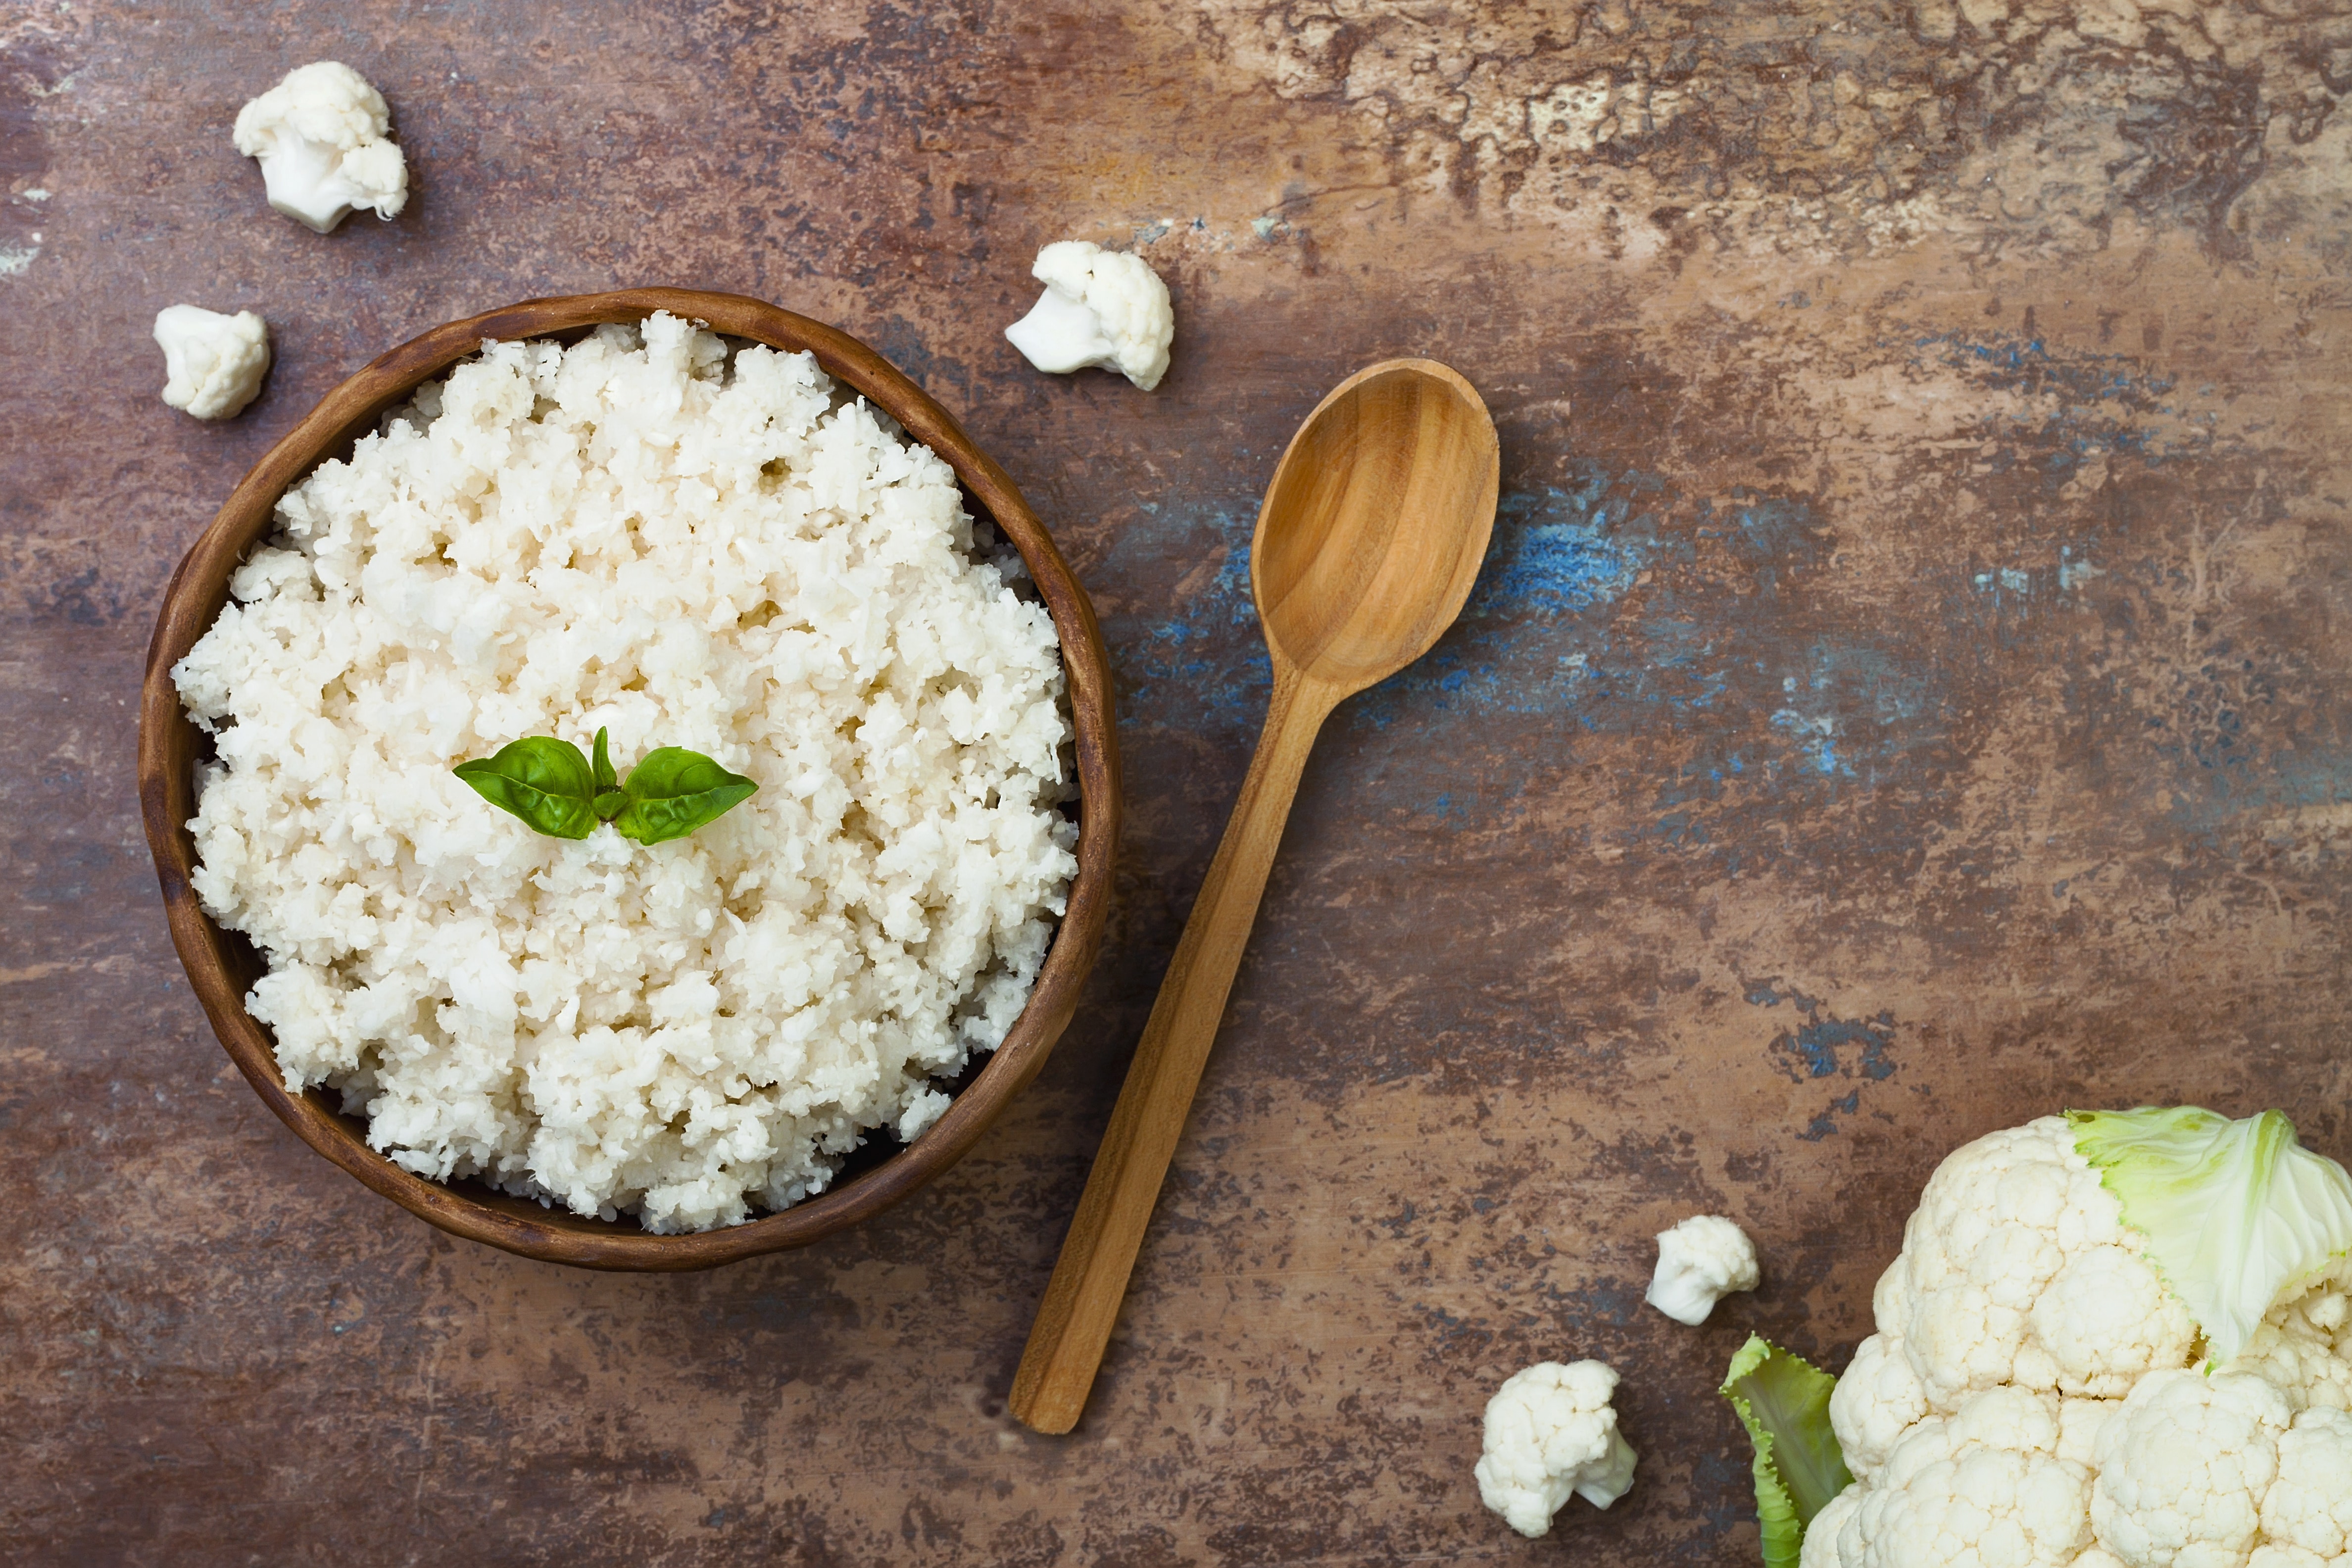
point(222, 966)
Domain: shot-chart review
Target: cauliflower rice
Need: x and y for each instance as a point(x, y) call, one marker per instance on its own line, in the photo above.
point(696, 548)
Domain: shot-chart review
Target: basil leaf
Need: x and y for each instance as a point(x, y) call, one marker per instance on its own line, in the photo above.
point(675, 791)
point(544, 781)
point(548, 784)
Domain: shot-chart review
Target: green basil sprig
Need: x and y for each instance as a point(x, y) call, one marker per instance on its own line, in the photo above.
point(547, 783)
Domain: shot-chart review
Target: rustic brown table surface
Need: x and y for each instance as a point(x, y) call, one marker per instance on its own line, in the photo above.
point(1906, 695)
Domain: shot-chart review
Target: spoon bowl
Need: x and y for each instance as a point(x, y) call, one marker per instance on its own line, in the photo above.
point(1369, 538)
point(1375, 524)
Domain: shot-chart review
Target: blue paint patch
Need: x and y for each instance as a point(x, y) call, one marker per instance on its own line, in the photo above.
point(2102, 403)
point(2218, 781)
point(2020, 588)
point(1817, 1045)
point(1821, 1126)
point(1813, 737)
point(1776, 537)
point(1681, 830)
point(2073, 574)
point(1831, 1047)
point(2026, 365)
point(1526, 641)
point(1826, 1046)
point(1549, 642)
point(1866, 681)
point(1561, 550)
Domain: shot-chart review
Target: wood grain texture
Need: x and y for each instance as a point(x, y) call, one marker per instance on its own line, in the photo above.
point(222, 968)
point(1910, 694)
point(1366, 544)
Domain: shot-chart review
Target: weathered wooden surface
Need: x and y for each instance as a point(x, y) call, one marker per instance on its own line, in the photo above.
point(1906, 696)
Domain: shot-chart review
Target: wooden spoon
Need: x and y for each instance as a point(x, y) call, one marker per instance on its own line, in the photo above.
point(1369, 538)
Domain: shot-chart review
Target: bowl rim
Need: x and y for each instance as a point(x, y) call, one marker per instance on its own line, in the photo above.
point(168, 743)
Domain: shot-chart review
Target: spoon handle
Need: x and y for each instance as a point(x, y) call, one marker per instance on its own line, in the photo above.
point(1082, 1301)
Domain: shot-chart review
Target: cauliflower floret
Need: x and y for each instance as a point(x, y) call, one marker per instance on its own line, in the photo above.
point(2080, 1422)
point(1983, 1487)
point(2103, 1320)
point(2183, 1467)
point(2017, 1267)
point(1824, 1542)
point(1101, 307)
point(1878, 1400)
point(213, 364)
point(323, 136)
point(2305, 1345)
point(1701, 1260)
point(1551, 1431)
point(2309, 1506)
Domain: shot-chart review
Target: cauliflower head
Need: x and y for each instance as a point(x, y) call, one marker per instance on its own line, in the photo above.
point(2036, 1395)
point(1701, 1260)
point(1551, 1431)
point(1984, 1488)
point(213, 364)
point(1101, 307)
point(323, 136)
